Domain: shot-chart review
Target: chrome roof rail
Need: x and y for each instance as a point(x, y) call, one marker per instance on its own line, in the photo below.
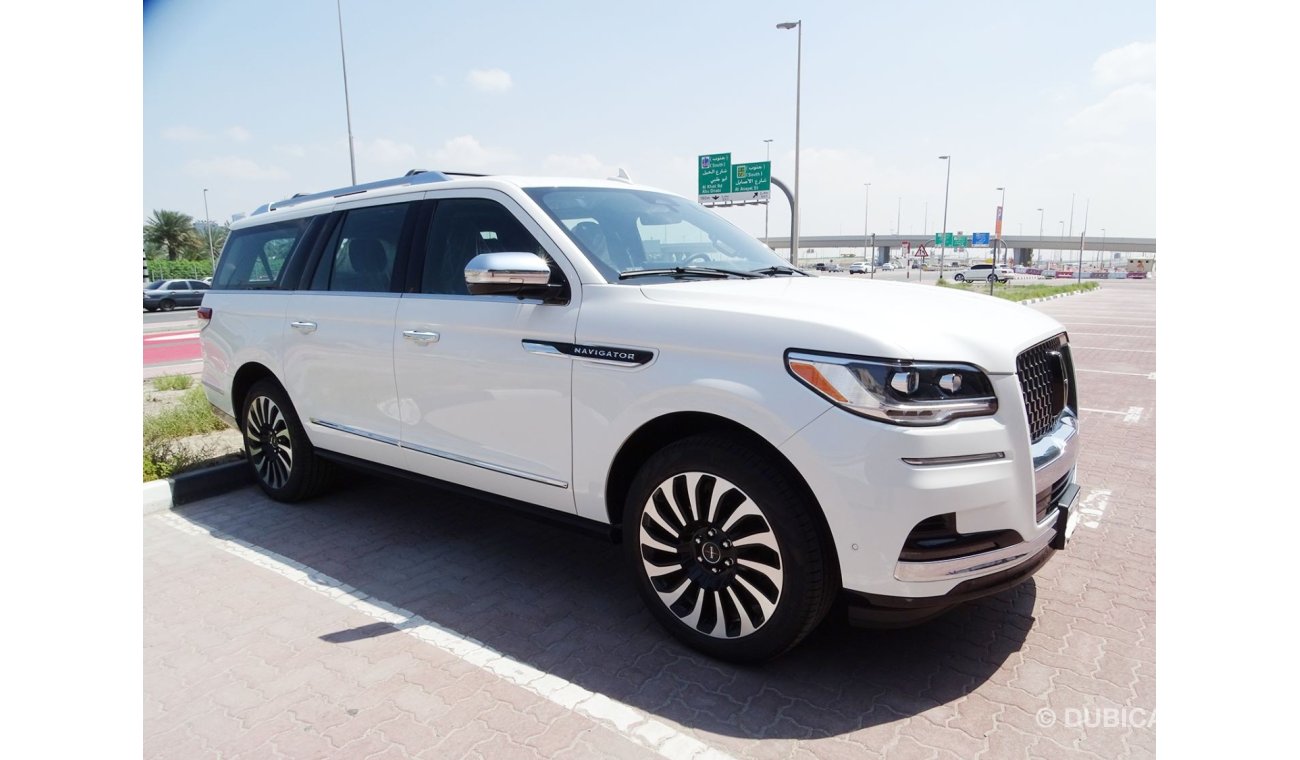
point(413, 177)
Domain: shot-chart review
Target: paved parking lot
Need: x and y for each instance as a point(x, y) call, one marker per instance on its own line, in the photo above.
point(390, 620)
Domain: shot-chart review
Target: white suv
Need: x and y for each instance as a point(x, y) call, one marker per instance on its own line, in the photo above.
point(987, 272)
point(760, 440)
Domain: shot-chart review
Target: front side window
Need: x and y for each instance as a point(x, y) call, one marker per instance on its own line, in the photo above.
point(463, 228)
point(623, 232)
point(254, 257)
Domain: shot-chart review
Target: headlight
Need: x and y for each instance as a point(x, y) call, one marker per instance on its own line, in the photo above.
point(898, 392)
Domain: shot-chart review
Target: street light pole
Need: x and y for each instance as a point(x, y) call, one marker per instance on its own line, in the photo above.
point(899, 221)
point(798, 79)
point(1040, 222)
point(767, 207)
point(347, 106)
point(944, 244)
point(866, 228)
point(1001, 213)
point(207, 219)
point(1102, 253)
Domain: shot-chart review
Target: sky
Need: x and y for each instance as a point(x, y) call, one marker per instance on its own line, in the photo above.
point(1049, 100)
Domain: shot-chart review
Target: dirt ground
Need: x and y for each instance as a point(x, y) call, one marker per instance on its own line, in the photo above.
point(220, 445)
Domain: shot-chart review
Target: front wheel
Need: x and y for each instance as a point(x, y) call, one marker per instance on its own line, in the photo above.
point(284, 462)
point(725, 550)
point(167, 305)
point(993, 278)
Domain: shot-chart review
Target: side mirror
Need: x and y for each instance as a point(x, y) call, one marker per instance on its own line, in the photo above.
point(515, 273)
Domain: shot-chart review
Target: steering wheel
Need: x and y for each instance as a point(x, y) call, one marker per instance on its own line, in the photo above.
point(697, 258)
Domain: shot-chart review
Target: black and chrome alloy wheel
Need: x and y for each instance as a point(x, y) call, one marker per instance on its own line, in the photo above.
point(268, 442)
point(711, 555)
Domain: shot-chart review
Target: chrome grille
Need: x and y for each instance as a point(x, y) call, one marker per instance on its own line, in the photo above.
point(1044, 383)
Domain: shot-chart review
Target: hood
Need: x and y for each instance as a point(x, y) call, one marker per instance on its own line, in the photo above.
point(894, 320)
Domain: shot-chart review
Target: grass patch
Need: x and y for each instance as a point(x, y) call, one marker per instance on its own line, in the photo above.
point(172, 382)
point(1020, 292)
point(164, 452)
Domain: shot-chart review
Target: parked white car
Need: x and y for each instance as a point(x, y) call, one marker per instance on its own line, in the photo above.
point(761, 441)
point(860, 267)
point(986, 272)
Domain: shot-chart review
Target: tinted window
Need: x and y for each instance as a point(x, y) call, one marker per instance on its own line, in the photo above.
point(155, 285)
point(178, 285)
point(198, 285)
point(362, 250)
point(254, 258)
point(462, 229)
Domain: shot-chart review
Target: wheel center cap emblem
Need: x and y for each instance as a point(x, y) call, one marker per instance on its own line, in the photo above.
point(711, 553)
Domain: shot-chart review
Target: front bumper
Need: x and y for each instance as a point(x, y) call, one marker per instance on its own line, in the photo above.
point(877, 483)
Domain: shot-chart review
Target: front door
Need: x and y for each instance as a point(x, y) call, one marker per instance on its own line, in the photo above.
point(478, 407)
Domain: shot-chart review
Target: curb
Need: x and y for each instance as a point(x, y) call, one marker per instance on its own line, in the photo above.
point(1058, 295)
point(161, 495)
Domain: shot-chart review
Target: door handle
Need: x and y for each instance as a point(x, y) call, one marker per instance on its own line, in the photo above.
point(422, 337)
point(304, 327)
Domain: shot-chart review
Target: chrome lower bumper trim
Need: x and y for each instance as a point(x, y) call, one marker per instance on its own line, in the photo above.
point(976, 565)
point(962, 459)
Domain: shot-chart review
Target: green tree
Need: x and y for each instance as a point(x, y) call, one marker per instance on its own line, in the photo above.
point(173, 232)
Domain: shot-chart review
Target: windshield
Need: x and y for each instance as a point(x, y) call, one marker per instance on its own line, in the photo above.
point(627, 232)
point(155, 285)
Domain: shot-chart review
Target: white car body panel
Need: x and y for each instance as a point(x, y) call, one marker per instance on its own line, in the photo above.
point(548, 427)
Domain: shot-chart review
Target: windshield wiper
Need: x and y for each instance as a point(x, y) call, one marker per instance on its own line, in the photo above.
point(685, 271)
point(773, 271)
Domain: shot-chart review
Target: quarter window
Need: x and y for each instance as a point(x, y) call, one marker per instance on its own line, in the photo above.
point(254, 258)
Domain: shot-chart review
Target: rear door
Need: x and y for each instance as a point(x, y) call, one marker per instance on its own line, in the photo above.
point(338, 333)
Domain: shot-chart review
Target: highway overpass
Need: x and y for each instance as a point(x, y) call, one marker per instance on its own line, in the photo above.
point(1021, 245)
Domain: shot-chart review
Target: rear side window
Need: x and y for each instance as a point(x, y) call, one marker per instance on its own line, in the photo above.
point(254, 258)
point(362, 253)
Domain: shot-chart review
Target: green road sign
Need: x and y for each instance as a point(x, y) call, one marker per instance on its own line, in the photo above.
point(715, 174)
point(749, 178)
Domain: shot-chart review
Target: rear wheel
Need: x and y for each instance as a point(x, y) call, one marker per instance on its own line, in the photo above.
point(283, 460)
point(993, 278)
point(959, 277)
point(725, 550)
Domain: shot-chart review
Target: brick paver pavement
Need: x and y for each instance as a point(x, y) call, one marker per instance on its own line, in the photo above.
point(247, 657)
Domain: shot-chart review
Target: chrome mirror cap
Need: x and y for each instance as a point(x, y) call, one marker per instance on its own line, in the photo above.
point(507, 272)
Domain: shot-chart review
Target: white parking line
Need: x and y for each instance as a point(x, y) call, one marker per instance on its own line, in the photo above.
point(1094, 506)
point(1133, 414)
point(627, 721)
point(1147, 375)
point(182, 336)
point(1101, 348)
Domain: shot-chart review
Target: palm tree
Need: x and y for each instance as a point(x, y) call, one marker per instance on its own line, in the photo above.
point(172, 231)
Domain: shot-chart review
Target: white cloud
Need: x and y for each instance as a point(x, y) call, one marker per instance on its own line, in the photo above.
point(1119, 114)
point(182, 134)
point(239, 134)
point(466, 153)
point(385, 151)
point(1135, 62)
point(584, 165)
point(234, 167)
point(489, 80)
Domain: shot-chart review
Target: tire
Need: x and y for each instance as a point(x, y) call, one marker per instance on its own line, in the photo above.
point(151, 309)
point(993, 278)
point(167, 305)
point(284, 462)
point(959, 277)
point(708, 519)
